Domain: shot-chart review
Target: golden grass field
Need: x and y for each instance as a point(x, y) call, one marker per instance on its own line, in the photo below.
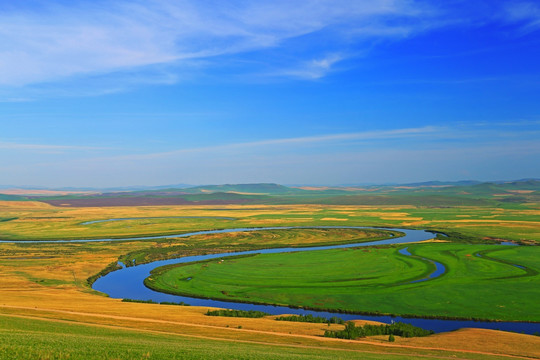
point(36, 220)
point(48, 281)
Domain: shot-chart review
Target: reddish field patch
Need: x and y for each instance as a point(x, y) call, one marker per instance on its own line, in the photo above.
point(137, 201)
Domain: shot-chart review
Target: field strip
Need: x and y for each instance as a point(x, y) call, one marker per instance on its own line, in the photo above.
point(311, 337)
point(157, 332)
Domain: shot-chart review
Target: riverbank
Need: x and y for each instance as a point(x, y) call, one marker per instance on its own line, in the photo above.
point(132, 287)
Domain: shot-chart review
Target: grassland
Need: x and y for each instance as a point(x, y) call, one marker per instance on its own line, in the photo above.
point(251, 240)
point(32, 337)
point(45, 284)
point(39, 221)
point(373, 280)
point(24, 338)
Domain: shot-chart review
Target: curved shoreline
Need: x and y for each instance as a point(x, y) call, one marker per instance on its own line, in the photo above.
point(393, 234)
point(157, 217)
point(129, 283)
point(440, 269)
point(198, 232)
point(342, 311)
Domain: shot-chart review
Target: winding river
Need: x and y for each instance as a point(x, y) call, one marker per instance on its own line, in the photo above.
point(128, 283)
point(439, 268)
point(157, 218)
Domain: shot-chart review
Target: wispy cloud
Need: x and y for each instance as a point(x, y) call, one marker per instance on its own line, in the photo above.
point(434, 138)
point(70, 39)
point(441, 137)
point(45, 147)
point(527, 13)
point(296, 141)
point(314, 69)
point(414, 153)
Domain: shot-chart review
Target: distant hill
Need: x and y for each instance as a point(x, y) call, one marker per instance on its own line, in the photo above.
point(443, 183)
point(431, 193)
point(4, 197)
point(262, 188)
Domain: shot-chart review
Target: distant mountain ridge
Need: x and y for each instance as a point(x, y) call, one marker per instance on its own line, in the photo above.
point(431, 193)
point(258, 188)
point(264, 188)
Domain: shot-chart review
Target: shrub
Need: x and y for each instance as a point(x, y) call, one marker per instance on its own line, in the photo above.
point(311, 319)
point(401, 329)
point(237, 313)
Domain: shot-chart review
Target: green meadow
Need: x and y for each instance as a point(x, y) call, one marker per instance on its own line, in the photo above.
point(480, 282)
point(251, 240)
point(481, 212)
point(24, 338)
point(480, 224)
point(52, 280)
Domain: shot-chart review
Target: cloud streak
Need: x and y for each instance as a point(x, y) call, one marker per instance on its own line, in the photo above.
point(526, 13)
point(45, 147)
point(481, 134)
point(71, 39)
point(483, 155)
point(296, 141)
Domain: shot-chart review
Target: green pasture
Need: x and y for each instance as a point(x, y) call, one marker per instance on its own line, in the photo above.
point(31, 339)
point(251, 240)
point(374, 280)
point(501, 210)
point(74, 228)
point(518, 222)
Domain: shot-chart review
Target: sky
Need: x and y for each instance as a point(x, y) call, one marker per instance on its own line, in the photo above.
point(110, 93)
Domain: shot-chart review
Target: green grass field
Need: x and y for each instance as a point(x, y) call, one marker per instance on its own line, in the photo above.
point(26, 338)
point(509, 211)
point(251, 240)
point(374, 279)
point(516, 222)
point(42, 276)
point(31, 339)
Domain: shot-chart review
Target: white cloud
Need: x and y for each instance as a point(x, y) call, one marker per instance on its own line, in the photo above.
point(482, 156)
point(44, 147)
point(80, 38)
point(527, 13)
point(295, 142)
point(470, 135)
point(314, 69)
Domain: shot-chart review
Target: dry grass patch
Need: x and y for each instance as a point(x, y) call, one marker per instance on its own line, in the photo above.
point(485, 340)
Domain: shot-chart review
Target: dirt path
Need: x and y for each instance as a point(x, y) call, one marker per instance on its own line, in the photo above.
point(311, 337)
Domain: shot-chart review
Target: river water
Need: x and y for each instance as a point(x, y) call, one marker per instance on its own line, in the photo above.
point(128, 283)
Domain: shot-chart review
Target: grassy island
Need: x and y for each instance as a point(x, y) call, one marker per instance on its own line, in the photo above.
point(480, 281)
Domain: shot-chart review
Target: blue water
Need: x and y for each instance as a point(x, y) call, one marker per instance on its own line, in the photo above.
point(157, 217)
point(128, 283)
point(516, 265)
point(439, 268)
point(220, 231)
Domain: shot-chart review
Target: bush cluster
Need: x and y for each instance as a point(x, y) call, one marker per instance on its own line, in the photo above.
point(237, 313)
point(181, 303)
point(400, 329)
point(311, 319)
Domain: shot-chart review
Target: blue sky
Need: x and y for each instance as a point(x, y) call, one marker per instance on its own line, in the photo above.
point(116, 93)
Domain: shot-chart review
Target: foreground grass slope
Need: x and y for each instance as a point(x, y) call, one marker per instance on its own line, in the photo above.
point(24, 338)
point(28, 337)
point(49, 281)
point(480, 280)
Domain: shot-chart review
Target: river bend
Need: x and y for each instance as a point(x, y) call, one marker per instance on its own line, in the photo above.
point(128, 282)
